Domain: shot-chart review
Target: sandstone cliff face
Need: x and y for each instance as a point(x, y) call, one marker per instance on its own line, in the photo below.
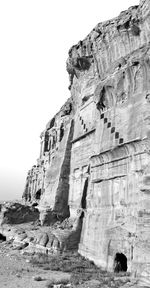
point(95, 161)
point(48, 181)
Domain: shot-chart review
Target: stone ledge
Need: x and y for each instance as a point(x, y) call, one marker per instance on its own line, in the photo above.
point(83, 136)
point(109, 178)
point(109, 152)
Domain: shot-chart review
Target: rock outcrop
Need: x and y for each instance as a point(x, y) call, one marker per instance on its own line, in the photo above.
point(94, 165)
point(17, 213)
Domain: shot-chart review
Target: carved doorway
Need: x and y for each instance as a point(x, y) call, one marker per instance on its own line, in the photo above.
point(120, 263)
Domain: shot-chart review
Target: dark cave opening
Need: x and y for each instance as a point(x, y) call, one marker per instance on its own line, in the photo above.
point(120, 263)
point(38, 195)
point(2, 238)
point(102, 97)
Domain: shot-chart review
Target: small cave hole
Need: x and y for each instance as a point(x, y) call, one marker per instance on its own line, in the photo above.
point(34, 204)
point(120, 263)
point(136, 63)
point(38, 195)
point(135, 30)
point(2, 238)
point(82, 63)
point(101, 103)
point(127, 24)
point(85, 99)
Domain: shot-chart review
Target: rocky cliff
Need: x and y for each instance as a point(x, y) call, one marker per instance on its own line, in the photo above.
point(94, 165)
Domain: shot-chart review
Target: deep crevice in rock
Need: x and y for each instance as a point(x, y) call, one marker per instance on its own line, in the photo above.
point(83, 200)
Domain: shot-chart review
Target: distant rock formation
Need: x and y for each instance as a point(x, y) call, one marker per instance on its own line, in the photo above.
point(94, 165)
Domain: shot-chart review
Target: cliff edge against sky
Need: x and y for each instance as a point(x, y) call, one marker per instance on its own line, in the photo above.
point(93, 172)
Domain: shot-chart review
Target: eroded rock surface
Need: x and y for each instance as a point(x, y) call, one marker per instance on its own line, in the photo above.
point(17, 213)
point(94, 165)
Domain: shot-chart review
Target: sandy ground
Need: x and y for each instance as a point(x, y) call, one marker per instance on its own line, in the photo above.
point(16, 270)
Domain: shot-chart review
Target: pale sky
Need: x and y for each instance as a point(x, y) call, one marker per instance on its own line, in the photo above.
point(35, 36)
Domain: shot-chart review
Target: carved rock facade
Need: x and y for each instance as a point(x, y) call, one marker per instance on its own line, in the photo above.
point(94, 165)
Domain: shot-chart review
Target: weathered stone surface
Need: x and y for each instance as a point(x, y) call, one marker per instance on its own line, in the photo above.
point(17, 213)
point(94, 164)
point(48, 181)
point(145, 277)
point(44, 240)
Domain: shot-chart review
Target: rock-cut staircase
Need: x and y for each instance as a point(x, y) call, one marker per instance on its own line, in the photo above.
point(112, 128)
point(83, 125)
